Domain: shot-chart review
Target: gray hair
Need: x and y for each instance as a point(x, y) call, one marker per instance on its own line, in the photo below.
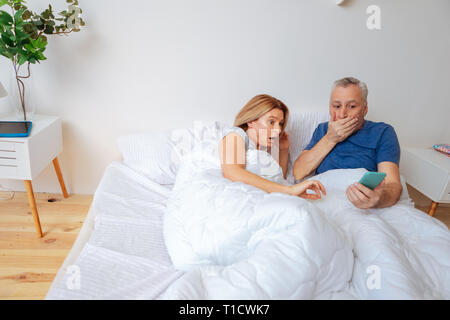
point(344, 82)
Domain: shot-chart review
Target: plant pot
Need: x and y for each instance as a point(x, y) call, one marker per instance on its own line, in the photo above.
point(25, 111)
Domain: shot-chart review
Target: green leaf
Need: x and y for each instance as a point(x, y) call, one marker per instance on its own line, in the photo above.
point(18, 15)
point(5, 18)
point(20, 35)
point(3, 2)
point(22, 59)
point(29, 47)
point(6, 54)
point(29, 27)
point(49, 29)
point(7, 40)
point(41, 56)
point(12, 50)
point(26, 15)
point(37, 23)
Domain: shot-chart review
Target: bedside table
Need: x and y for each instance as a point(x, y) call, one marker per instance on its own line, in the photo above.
point(428, 171)
point(25, 158)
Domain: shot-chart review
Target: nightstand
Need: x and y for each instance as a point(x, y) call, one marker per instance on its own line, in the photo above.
point(428, 171)
point(25, 158)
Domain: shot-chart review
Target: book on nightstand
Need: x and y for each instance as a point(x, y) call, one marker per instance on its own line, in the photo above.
point(15, 129)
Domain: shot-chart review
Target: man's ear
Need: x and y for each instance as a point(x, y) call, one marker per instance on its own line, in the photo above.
point(366, 110)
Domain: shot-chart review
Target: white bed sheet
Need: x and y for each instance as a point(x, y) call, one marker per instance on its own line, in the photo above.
point(119, 252)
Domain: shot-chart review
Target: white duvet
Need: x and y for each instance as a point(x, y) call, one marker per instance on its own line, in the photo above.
point(238, 242)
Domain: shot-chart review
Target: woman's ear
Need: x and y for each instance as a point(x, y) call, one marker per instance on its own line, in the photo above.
point(251, 124)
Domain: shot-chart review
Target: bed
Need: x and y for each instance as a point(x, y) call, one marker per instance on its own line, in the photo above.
point(120, 252)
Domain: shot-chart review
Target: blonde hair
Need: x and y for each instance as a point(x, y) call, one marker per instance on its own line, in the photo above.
point(257, 107)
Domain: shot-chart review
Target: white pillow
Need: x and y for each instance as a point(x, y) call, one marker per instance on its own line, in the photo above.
point(301, 126)
point(150, 154)
point(157, 155)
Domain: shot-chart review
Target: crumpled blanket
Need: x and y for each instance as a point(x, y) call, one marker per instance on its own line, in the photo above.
point(238, 242)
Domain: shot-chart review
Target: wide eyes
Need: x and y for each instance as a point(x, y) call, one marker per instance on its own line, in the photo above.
point(272, 122)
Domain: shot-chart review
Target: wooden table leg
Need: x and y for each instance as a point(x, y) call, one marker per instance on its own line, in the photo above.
point(33, 206)
point(432, 209)
point(60, 177)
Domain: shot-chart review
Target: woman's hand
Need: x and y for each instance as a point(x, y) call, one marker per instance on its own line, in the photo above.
point(301, 188)
point(284, 141)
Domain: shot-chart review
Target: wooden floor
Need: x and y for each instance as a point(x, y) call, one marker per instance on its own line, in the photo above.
point(28, 264)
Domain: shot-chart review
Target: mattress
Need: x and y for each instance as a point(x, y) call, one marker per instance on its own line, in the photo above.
point(119, 252)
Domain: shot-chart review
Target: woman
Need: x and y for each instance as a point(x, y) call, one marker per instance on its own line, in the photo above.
point(260, 125)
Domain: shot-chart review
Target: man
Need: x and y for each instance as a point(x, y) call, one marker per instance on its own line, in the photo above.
point(349, 141)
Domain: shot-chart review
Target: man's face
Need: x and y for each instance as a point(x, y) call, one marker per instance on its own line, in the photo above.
point(348, 102)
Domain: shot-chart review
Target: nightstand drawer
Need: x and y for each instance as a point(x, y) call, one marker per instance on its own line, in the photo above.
point(7, 146)
point(13, 160)
point(10, 161)
point(8, 171)
point(8, 154)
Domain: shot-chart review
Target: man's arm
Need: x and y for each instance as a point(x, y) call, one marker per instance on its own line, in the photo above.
point(309, 160)
point(392, 189)
point(384, 195)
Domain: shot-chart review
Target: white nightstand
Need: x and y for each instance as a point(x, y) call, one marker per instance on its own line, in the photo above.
point(25, 158)
point(428, 171)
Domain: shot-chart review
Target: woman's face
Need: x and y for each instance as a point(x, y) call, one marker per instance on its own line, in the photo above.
point(267, 128)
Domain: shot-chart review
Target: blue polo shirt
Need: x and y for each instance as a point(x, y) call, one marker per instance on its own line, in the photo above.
point(375, 142)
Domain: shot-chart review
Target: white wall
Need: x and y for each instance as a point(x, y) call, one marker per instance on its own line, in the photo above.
point(161, 64)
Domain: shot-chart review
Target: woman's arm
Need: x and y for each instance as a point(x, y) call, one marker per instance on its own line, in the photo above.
point(232, 156)
point(233, 159)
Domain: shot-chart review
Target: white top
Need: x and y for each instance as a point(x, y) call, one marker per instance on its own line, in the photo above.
point(259, 162)
point(240, 132)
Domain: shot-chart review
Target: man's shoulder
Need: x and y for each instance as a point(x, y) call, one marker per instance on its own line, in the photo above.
point(378, 125)
point(379, 128)
point(323, 126)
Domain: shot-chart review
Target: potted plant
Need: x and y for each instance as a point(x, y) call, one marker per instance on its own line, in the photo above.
point(23, 36)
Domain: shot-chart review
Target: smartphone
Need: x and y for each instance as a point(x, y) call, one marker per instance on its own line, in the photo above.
point(372, 179)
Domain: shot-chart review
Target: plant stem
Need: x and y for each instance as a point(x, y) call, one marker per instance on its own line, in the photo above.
point(22, 77)
point(21, 91)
